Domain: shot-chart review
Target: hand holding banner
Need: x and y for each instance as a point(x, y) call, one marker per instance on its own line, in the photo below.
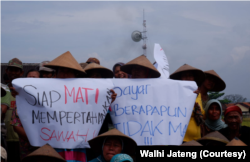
point(66, 113)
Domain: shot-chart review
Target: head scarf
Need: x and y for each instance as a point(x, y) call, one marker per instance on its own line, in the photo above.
point(121, 158)
point(233, 108)
point(214, 125)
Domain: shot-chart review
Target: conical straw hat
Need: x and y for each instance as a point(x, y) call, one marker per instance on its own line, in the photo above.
point(83, 65)
point(129, 145)
point(213, 136)
point(219, 83)
point(105, 72)
point(65, 60)
point(141, 61)
point(236, 142)
point(191, 143)
point(44, 151)
point(199, 76)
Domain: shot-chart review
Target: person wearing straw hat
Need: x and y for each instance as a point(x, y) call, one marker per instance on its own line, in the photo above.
point(111, 143)
point(14, 70)
point(213, 82)
point(44, 154)
point(24, 145)
point(66, 66)
point(94, 70)
point(213, 139)
point(213, 122)
point(189, 73)
point(46, 72)
point(233, 118)
point(140, 67)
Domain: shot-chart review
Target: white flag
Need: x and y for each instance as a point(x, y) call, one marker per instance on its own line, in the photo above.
point(161, 61)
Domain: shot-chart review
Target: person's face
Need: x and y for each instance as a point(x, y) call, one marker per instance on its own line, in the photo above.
point(187, 75)
point(209, 83)
point(46, 74)
point(233, 120)
point(111, 147)
point(139, 72)
point(119, 73)
point(213, 112)
point(14, 72)
point(94, 74)
point(33, 74)
point(64, 73)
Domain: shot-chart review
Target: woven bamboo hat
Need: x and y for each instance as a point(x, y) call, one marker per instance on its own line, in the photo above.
point(44, 151)
point(129, 145)
point(141, 61)
point(213, 136)
point(83, 64)
point(236, 142)
point(65, 60)
point(105, 72)
point(191, 143)
point(199, 76)
point(219, 83)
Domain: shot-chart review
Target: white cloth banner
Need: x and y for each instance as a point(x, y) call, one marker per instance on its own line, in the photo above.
point(161, 61)
point(66, 113)
point(153, 111)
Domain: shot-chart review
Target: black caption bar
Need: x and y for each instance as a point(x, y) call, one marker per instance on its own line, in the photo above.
point(161, 153)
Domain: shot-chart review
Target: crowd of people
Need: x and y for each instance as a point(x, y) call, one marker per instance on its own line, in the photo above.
point(206, 126)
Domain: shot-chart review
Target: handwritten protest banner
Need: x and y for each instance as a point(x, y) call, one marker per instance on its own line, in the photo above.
point(153, 111)
point(66, 113)
point(161, 61)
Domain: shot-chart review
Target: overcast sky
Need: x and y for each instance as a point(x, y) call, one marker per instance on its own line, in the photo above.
point(206, 35)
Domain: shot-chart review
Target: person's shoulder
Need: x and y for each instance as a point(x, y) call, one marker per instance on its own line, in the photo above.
point(98, 159)
point(245, 128)
point(223, 130)
point(95, 160)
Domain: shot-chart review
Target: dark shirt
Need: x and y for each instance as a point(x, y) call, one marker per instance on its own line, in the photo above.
point(244, 134)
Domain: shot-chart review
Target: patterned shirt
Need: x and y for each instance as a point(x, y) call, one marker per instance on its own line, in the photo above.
point(73, 155)
point(25, 147)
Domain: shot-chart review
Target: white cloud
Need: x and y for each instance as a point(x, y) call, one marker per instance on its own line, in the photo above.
point(206, 17)
point(239, 53)
point(74, 21)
